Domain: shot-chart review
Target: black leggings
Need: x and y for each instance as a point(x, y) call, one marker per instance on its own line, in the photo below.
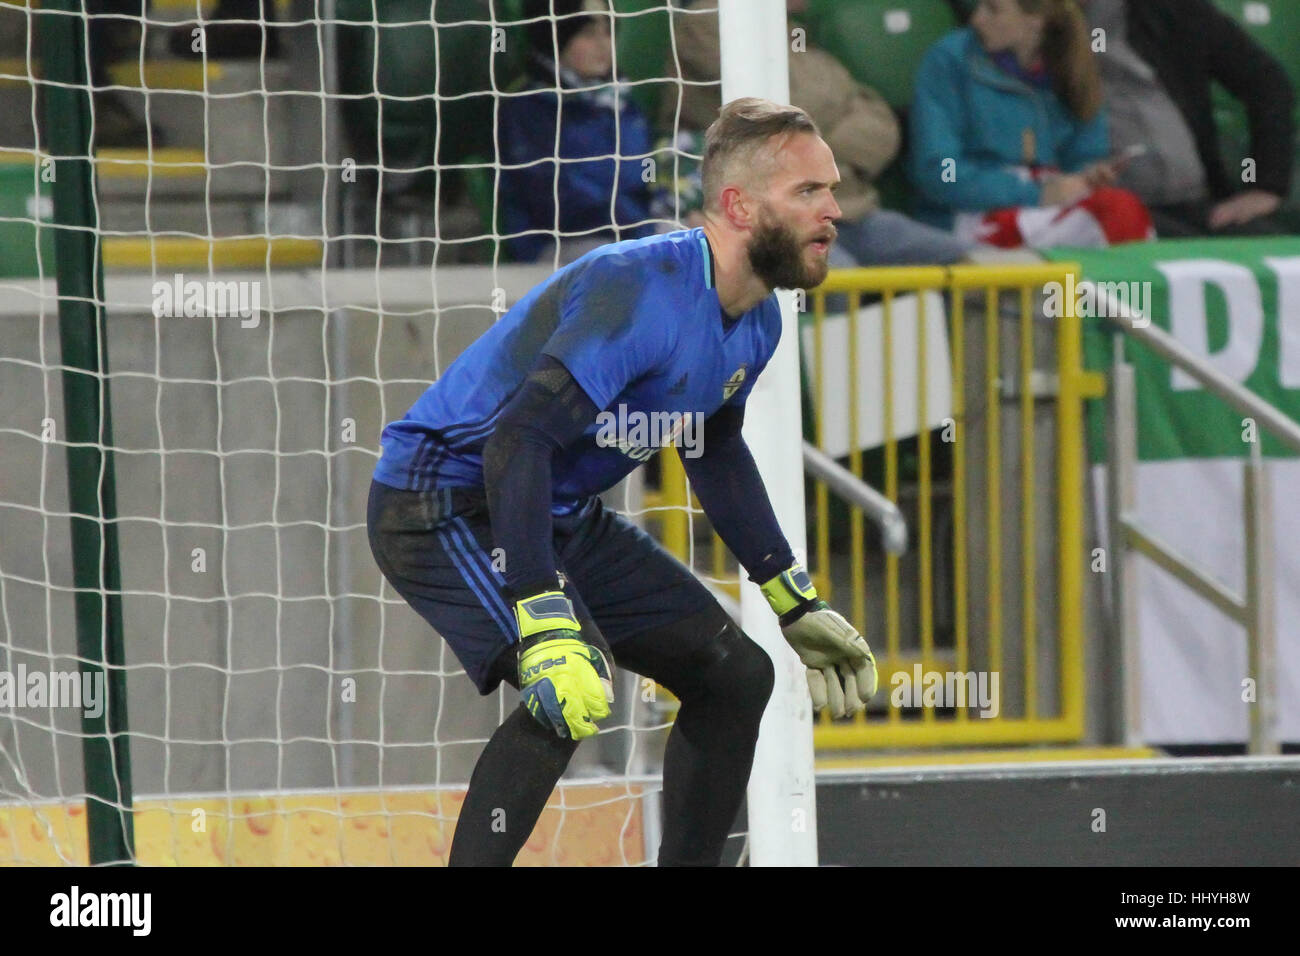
point(723, 680)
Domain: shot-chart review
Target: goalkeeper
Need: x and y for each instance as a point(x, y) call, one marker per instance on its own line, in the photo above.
point(505, 451)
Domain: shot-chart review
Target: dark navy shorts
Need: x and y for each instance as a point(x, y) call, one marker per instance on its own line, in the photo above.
point(435, 548)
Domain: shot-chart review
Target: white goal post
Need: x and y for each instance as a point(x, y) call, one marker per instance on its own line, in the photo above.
point(782, 795)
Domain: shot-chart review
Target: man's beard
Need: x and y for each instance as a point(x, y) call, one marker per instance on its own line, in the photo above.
point(777, 257)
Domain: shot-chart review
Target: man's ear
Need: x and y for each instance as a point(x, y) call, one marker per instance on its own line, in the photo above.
point(737, 208)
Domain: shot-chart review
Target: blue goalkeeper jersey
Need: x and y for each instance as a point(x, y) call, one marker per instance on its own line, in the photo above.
point(638, 325)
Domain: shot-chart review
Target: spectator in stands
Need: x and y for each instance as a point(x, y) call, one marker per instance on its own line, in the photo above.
point(1009, 137)
point(1159, 61)
point(855, 121)
point(596, 193)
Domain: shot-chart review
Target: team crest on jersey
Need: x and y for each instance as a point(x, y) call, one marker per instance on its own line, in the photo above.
point(733, 384)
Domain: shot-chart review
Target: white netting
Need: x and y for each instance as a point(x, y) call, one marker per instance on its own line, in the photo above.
point(284, 704)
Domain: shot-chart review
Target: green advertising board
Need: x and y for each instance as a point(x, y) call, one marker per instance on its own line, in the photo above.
point(1235, 302)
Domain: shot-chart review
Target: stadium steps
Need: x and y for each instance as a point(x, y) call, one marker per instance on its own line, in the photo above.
point(184, 252)
point(222, 173)
point(215, 190)
point(184, 9)
point(177, 190)
point(156, 74)
point(229, 217)
point(224, 227)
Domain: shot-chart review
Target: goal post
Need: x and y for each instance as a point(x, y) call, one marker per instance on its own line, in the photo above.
point(782, 795)
point(105, 750)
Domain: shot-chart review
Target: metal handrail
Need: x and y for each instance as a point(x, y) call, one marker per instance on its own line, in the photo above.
point(1286, 429)
point(882, 512)
point(1254, 609)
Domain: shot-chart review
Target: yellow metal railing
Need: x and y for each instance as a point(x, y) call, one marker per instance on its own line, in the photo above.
point(979, 642)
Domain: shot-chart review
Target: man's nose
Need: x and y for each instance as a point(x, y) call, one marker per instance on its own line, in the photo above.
point(835, 211)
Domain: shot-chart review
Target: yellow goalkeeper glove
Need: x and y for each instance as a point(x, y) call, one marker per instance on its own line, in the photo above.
point(841, 668)
point(565, 681)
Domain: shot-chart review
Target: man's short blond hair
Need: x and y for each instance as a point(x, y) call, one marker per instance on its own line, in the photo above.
point(742, 129)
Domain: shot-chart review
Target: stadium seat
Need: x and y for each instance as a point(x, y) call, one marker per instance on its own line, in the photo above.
point(402, 62)
point(643, 41)
point(24, 199)
point(880, 41)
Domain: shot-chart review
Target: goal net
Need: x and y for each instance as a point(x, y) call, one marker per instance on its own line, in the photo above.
point(300, 213)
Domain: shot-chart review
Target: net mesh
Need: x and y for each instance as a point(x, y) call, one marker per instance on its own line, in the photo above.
point(301, 213)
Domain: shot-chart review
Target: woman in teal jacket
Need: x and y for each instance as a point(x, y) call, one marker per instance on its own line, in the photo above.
point(1009, 136)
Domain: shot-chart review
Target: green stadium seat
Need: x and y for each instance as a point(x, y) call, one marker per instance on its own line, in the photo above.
point(401, 61)
point(643, 40)
point(24, 200)
point(881, 42)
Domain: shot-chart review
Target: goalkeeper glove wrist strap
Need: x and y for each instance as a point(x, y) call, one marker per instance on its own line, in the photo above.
point(543, 613)
point(791, 594)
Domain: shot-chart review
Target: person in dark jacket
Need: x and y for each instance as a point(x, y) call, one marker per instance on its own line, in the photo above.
point(597, 194)
point(1160, 59)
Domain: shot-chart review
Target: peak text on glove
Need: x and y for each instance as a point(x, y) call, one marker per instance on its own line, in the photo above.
point(530, 672)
